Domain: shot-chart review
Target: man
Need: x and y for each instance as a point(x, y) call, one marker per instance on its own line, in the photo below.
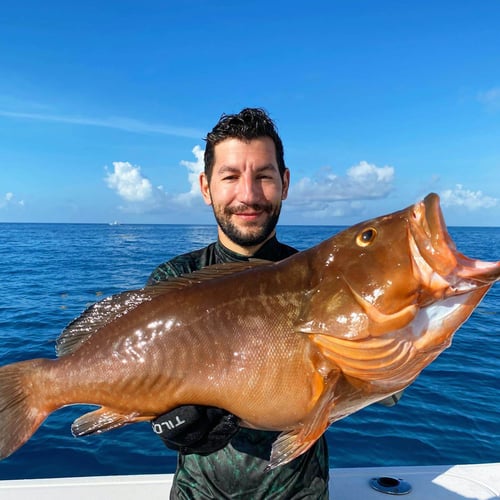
point(245, 181)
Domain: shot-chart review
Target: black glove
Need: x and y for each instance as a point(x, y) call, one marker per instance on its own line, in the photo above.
point(196, 429)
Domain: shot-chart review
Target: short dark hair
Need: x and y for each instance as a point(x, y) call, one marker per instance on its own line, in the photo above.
point(248, 124)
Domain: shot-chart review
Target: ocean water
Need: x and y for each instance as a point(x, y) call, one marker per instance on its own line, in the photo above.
point(49, 273)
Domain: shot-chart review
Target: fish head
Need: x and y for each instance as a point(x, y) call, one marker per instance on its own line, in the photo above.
point(397, 271)
point(392, 293)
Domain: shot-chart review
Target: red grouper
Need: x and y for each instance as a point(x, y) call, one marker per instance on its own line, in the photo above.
point(290, 346)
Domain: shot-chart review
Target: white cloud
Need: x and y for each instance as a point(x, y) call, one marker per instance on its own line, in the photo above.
point(195, 168)
point(141, 195)
point(330, 194)
point(471, 200)
point(10, 199)
point(129, 183)
point(325, 196)
point(115, 122)
point(366, 172)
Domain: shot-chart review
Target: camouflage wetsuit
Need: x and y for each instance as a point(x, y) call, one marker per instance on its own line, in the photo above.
point(237, 470)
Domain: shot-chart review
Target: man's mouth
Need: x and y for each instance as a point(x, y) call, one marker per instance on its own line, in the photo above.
point(249, 216)
point(249, 213)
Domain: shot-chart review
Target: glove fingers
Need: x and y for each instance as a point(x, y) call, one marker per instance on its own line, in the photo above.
point(196, 429)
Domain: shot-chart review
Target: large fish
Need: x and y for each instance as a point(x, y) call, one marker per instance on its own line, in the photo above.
point(290, 346)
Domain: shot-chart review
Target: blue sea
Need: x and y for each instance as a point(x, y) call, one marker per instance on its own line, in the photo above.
point(49, 273)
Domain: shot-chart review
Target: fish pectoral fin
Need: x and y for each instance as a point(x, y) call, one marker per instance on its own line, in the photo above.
point(102, 420)
point(292, 444)
point(331, 310)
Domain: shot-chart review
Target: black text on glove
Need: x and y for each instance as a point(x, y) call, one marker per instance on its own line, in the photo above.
point(196, 429)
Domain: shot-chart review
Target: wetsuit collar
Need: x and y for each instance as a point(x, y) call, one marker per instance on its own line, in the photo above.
point(267, 251)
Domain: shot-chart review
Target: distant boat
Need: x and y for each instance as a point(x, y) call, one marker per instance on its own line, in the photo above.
point(114, 223)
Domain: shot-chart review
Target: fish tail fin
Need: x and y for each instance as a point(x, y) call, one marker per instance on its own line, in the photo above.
point(19, 415)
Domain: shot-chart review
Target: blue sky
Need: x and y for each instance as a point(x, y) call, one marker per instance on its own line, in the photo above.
point(104, 105)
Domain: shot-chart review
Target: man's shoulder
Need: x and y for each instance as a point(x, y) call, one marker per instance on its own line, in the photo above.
point(215, 253)
point(182, 264)
point(274, 250)
point(287, 249)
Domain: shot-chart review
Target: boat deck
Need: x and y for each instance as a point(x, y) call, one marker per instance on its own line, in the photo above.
point(454, 482)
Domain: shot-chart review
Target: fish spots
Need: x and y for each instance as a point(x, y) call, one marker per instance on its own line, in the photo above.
point(342, 319)
point(158, 328)
point(154, 325)
point(376, 293)
point(132, 349)
point(353, 324)
point(241, 360)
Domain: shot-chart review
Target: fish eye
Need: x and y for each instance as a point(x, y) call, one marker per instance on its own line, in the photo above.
point(366, 237)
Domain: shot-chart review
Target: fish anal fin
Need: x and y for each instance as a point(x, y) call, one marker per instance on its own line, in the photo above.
point(102, 420)
point(289, 445)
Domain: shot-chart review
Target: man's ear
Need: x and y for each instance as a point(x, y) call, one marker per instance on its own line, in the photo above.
point(205, 189)
point(286, 184)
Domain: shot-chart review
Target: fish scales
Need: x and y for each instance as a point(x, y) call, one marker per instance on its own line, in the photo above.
point(290, 346)
point(225, 356)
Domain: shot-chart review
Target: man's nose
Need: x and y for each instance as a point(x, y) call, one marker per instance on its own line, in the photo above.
point(250, 190)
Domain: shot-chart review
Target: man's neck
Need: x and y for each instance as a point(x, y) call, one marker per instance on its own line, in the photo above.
point(242, 250)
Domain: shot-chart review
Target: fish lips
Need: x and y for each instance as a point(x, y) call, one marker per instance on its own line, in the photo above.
point(436, 247)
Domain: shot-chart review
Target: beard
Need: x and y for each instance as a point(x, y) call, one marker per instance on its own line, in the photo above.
point(253, 233)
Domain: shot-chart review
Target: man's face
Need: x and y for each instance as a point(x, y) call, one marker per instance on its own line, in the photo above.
point(245, 191)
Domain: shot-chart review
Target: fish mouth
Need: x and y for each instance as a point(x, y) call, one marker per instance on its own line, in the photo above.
point(436, 261)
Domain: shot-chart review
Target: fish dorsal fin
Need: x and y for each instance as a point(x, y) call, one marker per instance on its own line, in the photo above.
point(205, 274)
point(106, 311)
point(97, 316)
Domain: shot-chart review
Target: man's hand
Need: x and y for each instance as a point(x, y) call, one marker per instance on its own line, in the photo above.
point(196, 429)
